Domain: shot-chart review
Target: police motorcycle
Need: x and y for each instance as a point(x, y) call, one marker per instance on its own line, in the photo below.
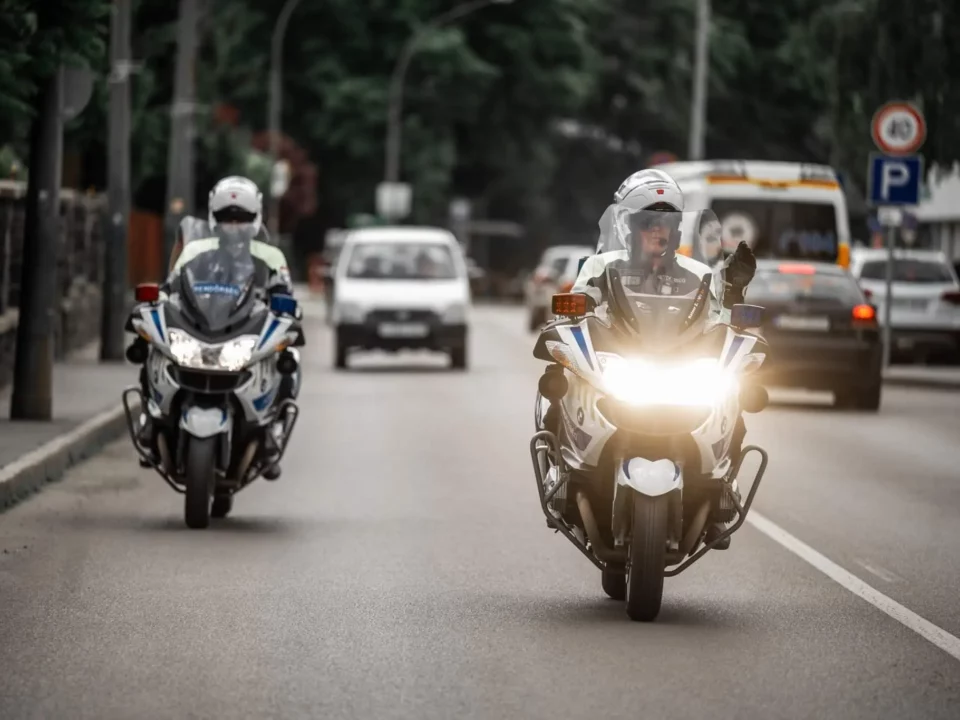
point(635, 418)
point(218, 354)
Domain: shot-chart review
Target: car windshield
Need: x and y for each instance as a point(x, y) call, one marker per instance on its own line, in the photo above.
point(780, 229)
point(775, 286)
point(401, 261)
point(909, 270)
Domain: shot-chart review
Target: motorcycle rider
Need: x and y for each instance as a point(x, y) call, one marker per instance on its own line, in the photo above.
point(235, 217)
point(650, 204)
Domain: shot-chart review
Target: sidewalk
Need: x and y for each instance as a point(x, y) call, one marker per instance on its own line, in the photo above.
point(923, 376)
point(87, 414)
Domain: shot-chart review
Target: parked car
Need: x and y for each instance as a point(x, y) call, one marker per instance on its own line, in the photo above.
point(925, 313)
point(555, 273)
point(401, 287)
point(821, 329)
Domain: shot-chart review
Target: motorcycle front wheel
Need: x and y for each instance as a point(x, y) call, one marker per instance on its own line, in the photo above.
point(648, 549)
point(201, 464)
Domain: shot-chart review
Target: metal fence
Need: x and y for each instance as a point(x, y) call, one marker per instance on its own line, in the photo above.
point(79, 265)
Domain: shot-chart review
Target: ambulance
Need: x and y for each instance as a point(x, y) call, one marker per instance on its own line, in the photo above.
point(782, 210)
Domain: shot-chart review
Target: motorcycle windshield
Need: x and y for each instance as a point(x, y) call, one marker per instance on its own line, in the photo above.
point(218, 281)
point(659, 296)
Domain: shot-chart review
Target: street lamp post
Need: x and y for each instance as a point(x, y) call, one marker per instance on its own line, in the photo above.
point(276, 101)
point(698, 106)
point(395, 107)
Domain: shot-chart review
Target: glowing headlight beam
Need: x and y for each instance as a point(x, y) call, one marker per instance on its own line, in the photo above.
point(237, 353)
point(691, 384)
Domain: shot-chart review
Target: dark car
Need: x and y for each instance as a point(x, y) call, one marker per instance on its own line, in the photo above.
point(822, 331)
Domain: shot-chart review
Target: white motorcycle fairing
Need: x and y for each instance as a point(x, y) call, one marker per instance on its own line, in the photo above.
point(650, 477)
point(205, 422)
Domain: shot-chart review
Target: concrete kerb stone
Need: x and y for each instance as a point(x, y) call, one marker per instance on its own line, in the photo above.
point(48, 463)
point(922, 382)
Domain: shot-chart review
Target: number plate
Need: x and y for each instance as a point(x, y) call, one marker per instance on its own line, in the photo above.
point(792, 322)
point(403, 330)
point(910, 303)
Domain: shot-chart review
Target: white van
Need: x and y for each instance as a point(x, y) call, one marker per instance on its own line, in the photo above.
point(401, 287)
point(782, 210)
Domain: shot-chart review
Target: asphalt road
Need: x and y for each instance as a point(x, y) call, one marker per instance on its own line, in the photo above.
point(401, 569)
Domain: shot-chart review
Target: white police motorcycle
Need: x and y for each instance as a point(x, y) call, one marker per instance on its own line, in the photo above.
point(635, 416)
point(217, 356)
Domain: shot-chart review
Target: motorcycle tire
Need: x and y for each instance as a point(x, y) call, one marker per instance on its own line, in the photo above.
point(648, 550)
point(199, 480)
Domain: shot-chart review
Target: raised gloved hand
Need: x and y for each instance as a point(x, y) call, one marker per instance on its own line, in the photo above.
point(741, 267)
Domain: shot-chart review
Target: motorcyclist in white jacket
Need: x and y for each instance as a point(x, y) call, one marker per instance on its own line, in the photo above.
point(642, 199)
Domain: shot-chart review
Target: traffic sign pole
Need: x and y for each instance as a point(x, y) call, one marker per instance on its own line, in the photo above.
point(894, 178)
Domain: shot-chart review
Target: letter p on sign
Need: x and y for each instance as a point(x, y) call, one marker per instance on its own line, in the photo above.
point(894, 180)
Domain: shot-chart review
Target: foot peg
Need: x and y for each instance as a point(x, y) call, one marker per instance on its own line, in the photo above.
point(272, 472)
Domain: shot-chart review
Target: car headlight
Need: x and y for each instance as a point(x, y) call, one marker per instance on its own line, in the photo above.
point(696, 383)
point(350, 312)
point(231, 356)
point(455, 314)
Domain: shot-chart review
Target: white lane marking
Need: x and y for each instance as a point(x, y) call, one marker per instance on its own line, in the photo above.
point(924, 628)
point(884, 575)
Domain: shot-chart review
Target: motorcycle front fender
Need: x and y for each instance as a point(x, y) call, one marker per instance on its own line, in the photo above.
point(205, 422)
point(652, 478)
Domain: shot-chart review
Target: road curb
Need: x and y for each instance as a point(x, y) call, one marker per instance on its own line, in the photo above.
point(48, 463)
point(929, 384)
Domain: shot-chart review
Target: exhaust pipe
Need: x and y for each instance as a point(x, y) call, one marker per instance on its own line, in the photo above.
point(600, 549)
point(692, 535)
point(246, 460)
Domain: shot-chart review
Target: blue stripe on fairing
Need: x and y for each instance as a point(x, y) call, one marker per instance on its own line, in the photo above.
point(155, 314)
point(626, 468)
point(734, 347)
point(582, 342)
point(261, 403)
point(274, 324)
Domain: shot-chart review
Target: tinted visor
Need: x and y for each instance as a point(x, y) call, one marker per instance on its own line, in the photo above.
point(234, 214)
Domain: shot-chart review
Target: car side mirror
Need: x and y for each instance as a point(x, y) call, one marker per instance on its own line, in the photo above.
point(744, 317)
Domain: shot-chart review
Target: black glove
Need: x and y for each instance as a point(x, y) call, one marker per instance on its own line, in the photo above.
point(742, 267)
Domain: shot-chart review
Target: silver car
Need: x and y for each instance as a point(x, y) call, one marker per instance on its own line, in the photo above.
point(555, 273)
point(925, 314)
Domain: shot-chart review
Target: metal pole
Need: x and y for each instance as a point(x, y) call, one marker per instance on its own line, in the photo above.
point(698, 106)
point(391, 172)
point(276, 105)
point(32, 397)
point(112, 336)
point(180, 158)
point(888, 298)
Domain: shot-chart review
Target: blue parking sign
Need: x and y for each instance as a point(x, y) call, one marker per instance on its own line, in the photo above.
point(894, 180)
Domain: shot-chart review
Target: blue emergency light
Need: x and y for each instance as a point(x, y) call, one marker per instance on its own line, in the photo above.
point(283, 305)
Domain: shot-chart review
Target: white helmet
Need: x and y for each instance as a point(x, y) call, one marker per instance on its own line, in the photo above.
point(643, 193)
point(236, 199)
point(646, 188)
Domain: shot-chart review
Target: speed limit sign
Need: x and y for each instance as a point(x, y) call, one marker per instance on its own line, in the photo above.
point(898, 128)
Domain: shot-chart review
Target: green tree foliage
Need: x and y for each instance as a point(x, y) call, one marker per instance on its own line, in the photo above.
point(535, 110)
point(36, 37)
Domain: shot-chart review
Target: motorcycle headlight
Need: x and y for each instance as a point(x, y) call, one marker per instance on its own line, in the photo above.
point(235, 355)
point(691, 383)
point(186, 350)
point(231, 356)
